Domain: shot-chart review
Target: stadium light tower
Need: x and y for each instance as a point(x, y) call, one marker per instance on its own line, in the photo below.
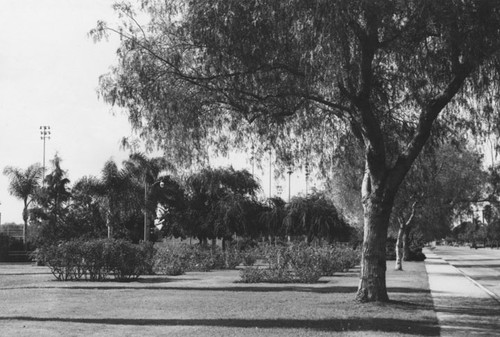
point(44, 135)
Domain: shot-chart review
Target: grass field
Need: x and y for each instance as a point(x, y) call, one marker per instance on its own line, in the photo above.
point(32, 303)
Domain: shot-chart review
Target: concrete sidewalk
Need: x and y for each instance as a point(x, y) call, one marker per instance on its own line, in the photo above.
point(462, 306)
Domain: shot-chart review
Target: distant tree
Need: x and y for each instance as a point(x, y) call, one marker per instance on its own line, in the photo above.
point(23, 185)
point(167, 197)
point(145, 172)
point(223, 73)
point(218, 202)
point(317, 217)
point(53, 199)
point(493, 232)
point(273, 217)
point(119, 200)
point(443, 181)
point(86, 217)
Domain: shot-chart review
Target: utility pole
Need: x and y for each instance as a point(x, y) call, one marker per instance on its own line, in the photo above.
point(289, 184)
point(252, 159)
point(146, 228)
point(308, 172)
point(44, 135)
point(270, 172)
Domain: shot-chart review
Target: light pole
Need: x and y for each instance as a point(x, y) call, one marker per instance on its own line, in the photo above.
point(44, 135)
point(270, 173)
point(252, 159)
point(308, 172)
point(145, 210)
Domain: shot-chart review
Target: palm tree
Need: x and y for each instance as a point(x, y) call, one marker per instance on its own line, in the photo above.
point(146, 171)
point(24, 185)
point(54, 198)
point(114, 188)
point(56, 192)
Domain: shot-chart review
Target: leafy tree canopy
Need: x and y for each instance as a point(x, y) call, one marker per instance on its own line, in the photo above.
point(301, 76)
point(195, 71)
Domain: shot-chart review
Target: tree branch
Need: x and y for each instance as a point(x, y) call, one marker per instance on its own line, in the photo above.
point(427, 117)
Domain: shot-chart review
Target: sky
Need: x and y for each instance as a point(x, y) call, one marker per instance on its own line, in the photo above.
point(49, 71)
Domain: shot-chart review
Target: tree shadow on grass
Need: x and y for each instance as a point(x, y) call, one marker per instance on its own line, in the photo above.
point(469, 306)
point(164, 279)
point(256, 289)
point(412, 327)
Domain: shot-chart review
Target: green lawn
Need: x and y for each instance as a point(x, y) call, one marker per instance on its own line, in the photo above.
point(210, 304)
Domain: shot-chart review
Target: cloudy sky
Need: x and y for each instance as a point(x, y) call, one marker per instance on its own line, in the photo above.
point(49, 70)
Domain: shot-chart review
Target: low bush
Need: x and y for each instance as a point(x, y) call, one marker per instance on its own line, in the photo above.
point(175, 259)
point(415, 251)
point(168, 261)
point(300, 263)
point(96, 260)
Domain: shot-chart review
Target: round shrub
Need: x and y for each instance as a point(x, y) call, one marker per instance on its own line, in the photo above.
point(95, 260)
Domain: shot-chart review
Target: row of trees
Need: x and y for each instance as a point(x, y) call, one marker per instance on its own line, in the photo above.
point(209, 204)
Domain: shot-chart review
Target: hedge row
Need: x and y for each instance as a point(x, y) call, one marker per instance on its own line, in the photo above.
point(300, 263)
point(96, 260)
point(176, 259)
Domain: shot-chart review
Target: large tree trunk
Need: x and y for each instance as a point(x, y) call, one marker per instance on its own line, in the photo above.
point(372, 286)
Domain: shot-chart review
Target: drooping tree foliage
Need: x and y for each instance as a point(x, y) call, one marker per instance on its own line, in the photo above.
point(273, 217)
point(220, 203)
point(299, 74)
point(316, 217)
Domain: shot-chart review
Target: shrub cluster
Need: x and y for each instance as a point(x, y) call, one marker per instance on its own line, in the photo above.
point(415, 251)
point(96, 260)
point(176, 259)
point(300, 263)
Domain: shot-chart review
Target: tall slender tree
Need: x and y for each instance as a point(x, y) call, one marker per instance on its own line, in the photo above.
point(145, 171)
point(53, 199)
point(24, 185)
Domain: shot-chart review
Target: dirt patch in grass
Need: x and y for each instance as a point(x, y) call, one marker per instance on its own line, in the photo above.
point(211, 304)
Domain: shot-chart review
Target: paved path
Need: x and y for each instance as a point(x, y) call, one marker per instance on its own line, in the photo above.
point(464, 306)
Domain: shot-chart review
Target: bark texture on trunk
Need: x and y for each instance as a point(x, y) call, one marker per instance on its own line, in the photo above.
point(406, 244)
point(372, 285)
